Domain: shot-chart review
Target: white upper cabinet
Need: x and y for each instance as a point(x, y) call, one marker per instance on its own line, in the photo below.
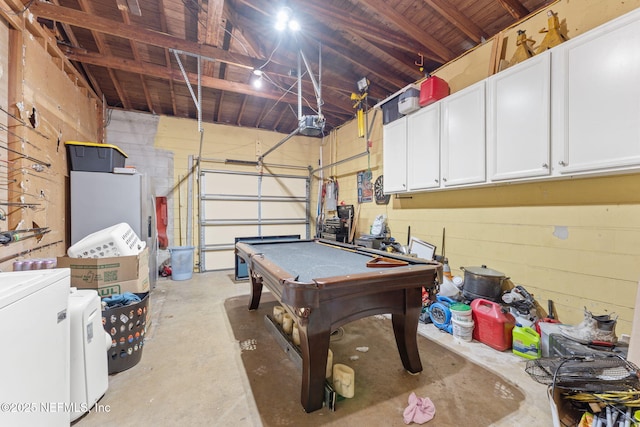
point(463, 137)
point(423, 148)
point(596, 79)
point(394, 155)
point(519, 120)
point(573, 110)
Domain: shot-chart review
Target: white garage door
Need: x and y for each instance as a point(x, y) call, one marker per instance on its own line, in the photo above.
point(236, 204)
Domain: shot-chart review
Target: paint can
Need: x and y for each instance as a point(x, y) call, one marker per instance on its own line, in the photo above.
point(462, 330)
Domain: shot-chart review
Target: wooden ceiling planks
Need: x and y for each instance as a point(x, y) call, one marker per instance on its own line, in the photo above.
point(128, 58)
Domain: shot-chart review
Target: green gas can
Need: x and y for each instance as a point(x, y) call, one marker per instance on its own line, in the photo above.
point(526, 342)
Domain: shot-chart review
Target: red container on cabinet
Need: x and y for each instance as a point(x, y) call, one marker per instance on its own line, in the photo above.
point(493, 327)
point(432, 89)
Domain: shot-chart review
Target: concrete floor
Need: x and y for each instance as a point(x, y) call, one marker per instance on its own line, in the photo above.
point(191, 372)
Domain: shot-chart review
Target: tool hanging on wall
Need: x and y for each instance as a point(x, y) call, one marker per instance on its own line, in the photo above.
point(23, 140)
point(22, 205)
point(23, 123)
point(24, 156)
point(28, 251)
point(13, 236)
point(553, 37)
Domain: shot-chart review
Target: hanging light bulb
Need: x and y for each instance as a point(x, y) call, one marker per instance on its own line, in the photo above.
point(257, 80)
point(285, 19)
point(294, 25)
point(282, 18)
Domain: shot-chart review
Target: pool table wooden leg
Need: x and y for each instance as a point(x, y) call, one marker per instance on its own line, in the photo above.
point(405, 328)
point(256, 291)
point(314, 344)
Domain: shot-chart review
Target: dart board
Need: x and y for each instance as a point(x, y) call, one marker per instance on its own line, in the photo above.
point(378, 190)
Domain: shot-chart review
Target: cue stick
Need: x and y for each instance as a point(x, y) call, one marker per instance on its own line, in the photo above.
point(354, 224)
point(333, 246)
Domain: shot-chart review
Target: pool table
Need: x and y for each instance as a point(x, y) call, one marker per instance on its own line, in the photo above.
point(325, 284)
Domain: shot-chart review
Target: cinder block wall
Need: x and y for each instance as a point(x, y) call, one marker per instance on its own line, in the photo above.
point(573, 241)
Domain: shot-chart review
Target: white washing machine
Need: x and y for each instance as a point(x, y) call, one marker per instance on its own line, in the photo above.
point(34, 361)
point(89, 345)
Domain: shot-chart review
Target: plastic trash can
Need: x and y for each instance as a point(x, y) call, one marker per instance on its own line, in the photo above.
point(181, 262)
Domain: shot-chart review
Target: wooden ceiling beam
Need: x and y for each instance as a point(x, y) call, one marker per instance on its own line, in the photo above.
point(362, 66)
point(167, 57)
point(9, 10)
point(458, 19)
point(164, 73)
point(121, 94)
point(405, 25)
point(137, 33)
point(405, 66)
point(212, 34)
point(243, 106)
point(159, 71)
point(246, 41)
point(136, 56)
point(515, 8)
point(277, 122)
point(222, 72)
point(72, 38)
point(104, 49)
point(355, 28)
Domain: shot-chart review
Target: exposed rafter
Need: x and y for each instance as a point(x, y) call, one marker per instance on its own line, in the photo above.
point(515, 8)
point(129, 59)
point(404, 24)
point(461, 22)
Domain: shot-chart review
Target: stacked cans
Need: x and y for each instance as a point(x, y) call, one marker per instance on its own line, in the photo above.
point(34, 264)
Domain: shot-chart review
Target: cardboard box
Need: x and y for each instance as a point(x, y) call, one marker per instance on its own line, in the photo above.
point(109, 276)
point(562, 412)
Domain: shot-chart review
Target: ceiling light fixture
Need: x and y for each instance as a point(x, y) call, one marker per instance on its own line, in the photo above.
point(363, 84)
point(285, 19)
point(257, 80)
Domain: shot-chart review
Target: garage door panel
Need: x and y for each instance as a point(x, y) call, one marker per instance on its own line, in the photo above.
point(230, 209)
point(284, 230)
point(283, 186)
point(230, 184)
point(237, 204)
point(219, 260)
point(290, 210)
point(226, 234)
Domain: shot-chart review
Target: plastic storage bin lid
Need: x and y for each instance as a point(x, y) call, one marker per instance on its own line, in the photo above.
point(95, 144)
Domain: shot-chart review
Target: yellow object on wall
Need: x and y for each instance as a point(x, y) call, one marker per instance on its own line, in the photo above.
point(572, 241)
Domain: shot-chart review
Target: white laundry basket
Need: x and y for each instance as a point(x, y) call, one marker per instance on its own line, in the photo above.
point(114, 241)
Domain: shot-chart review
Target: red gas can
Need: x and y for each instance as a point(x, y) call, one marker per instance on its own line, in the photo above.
point(493, 327)
point(432, 89)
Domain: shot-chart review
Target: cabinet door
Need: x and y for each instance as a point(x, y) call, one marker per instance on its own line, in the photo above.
point(518, 122)
point(463, 137)
point(394, 156)
point(423, 148)
point(598, 76)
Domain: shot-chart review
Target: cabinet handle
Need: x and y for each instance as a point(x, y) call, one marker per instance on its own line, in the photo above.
point(545, 166)
point(444, 179)
point(436, 181)
point(562, 163)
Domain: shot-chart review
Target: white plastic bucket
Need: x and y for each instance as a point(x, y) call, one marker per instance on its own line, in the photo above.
point(181, 262)
point(461, 312)
point(462, 330)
